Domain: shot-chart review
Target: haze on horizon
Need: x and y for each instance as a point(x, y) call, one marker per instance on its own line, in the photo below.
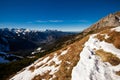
point(65, 15)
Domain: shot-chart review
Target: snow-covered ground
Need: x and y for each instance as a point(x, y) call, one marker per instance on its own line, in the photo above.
point(116, 29)
point(91, 67)
point(38, 50)
point(41, 68)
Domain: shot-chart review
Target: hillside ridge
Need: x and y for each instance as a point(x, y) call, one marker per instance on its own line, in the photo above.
point(95, 54)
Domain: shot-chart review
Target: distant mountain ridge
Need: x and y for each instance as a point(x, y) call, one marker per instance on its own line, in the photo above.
point(23, 41)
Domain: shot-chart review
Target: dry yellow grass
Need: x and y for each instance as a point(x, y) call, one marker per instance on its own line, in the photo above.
point(100, 37)
point(69, 60)
point(32, 68)
point(108, 57)
point(118, 73)
point(114, 37)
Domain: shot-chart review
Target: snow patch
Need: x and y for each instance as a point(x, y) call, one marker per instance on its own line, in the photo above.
point(106, 36)
point(90, 66)
point(33, 53)
point(64, 52)
point(41, 67)
point(116, 29)
point(41, 62)
point(109, 47)
point(38, 49)
point(56, 60)
point(68, 62)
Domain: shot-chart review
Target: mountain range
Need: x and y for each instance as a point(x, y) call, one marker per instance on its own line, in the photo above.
point(22, 42)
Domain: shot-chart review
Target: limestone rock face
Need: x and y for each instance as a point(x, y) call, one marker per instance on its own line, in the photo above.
point(112, 20)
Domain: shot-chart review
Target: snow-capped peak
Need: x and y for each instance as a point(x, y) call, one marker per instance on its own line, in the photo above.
point(27, 30)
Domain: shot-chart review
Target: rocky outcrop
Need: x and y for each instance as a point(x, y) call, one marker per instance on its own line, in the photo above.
point(112, 20)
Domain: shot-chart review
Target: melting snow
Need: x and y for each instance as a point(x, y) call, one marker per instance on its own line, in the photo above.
point(68, 62)
point(41, 67)
point(33, 52)
point(55, 59)
point(90, 66)
point(28, 75)
point(106, 36)
point(39, 48)
point(116, 29)
point(64, 52)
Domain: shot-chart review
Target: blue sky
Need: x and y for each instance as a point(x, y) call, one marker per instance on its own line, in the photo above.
point(66, 15)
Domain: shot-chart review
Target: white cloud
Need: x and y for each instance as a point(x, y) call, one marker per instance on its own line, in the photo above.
point(55, 21)
point(40, 21)
point(58, 21)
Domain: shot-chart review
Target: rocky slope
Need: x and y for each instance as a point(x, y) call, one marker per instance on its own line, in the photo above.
point(110, 20)
point(94, 57)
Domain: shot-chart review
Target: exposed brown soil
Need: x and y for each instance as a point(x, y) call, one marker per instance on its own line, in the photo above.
point(118, 73)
